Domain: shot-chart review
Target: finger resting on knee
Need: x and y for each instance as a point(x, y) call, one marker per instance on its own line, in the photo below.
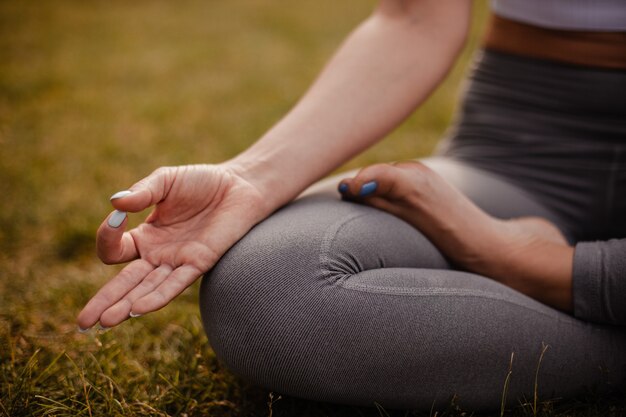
point(380, 180)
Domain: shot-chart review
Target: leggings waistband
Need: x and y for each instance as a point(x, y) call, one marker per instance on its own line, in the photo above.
point(585, 48)
point(557, 91)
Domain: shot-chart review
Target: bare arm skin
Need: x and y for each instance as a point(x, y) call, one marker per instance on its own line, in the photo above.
point(381, 73)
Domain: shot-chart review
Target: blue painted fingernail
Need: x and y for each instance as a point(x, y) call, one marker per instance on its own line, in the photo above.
point(120, 194)
point(101, 328)
point(368, 188)
point(83, 331)
point(116, 218)
point(343, 187)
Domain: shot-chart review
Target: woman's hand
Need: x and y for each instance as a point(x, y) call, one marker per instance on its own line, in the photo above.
point(200, 212)
point(529, 254)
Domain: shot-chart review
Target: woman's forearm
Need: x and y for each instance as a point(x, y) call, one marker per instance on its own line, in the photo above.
point(382, 72)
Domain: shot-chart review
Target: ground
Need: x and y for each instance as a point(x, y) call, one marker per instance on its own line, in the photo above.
point(95, 95)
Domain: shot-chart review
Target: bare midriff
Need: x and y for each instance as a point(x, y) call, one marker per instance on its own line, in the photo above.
point(586, 48)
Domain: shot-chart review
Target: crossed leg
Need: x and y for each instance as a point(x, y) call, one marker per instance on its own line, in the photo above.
point(336, 301)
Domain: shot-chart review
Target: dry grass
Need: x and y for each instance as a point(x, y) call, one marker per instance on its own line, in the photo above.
point(93, 96)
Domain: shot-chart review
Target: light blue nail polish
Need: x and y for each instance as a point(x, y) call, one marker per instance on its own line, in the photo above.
point(101, 328)
point(368, 188)
point(83, 331)
point(133, 315)
point(120, 194)
point(343, 187)
point(116, 218)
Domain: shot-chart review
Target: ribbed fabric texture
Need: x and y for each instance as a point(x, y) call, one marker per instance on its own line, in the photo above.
point(601, 15)
point(333, 301)
point(600, 281)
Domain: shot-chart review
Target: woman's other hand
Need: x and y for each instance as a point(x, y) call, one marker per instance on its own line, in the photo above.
point(529, 254)
point(200, 211)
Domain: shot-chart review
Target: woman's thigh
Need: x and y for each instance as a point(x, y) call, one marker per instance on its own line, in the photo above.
point(334, 301)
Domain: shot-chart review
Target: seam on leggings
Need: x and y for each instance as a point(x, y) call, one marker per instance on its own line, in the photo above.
point(426, 291)
point(326, 244)
point(445, 292)
point(340, 278)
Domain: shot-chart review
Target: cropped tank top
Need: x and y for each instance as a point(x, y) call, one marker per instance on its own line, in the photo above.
point(584, 15)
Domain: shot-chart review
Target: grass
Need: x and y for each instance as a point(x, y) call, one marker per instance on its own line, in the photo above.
point(95, 95)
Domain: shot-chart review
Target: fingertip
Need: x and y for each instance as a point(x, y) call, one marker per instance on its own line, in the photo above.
point(110, 244)
point(382, 180)
point(368, 188)
point(120, 194)
point(84, 322)
point(343, 188)
point(115, 315)
point(116, 219)
point(102, 329)
point(113, 245)
point(83, 331)
point(134, 200)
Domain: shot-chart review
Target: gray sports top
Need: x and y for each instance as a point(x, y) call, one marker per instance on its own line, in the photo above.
point(594, 15)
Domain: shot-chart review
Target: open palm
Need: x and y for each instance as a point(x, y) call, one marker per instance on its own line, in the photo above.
point(200, 211)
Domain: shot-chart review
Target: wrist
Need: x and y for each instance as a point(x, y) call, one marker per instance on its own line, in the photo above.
point(539, 268)
point(264, 177)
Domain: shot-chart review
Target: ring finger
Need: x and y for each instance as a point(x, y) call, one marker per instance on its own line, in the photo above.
point(121, 310)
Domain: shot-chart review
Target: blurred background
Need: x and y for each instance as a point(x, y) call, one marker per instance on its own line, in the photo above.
point(93, 97)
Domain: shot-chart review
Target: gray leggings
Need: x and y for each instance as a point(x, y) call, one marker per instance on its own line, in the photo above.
point(334, 301)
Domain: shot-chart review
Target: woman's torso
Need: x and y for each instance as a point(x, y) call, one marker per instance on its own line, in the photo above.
point(556, 127)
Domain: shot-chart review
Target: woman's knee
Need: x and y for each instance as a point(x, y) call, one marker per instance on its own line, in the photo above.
point(278, 291)
point(330, 301)
point(255, 301)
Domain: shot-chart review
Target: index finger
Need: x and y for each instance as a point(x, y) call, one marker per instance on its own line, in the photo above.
point(113, 244)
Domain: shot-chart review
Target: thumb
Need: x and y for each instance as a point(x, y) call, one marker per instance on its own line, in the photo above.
point(145, 193)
